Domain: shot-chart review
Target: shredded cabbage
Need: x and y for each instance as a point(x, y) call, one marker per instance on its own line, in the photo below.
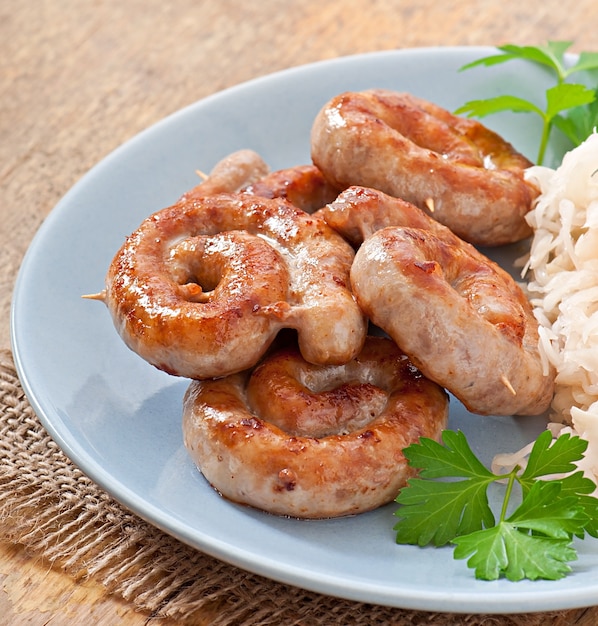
point(563, 288)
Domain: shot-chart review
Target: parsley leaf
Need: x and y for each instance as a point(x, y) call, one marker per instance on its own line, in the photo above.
point(510, 550)
point(481, 108)
point(437, 515)
point(438, 512)
point(579, 486)
point(579, 122)
point(504, 550)
point(586, 61)
point(534, 541)
point(578, 100)
point(454, 458)
point(543, 511)
point(552, 55)
point(558, 457)
point(590, 506)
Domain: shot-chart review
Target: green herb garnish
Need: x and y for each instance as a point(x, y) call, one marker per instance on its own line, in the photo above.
point(571, 107)
point(535, 540)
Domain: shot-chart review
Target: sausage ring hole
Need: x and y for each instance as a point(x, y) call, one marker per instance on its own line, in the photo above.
point(197, 280)
point(319, 401)
point(299, 409)
point(226, 265)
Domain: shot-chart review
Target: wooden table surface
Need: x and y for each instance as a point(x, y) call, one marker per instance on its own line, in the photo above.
point(80, 77)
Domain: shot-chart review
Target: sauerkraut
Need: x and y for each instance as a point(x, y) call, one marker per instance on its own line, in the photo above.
point(563, 287)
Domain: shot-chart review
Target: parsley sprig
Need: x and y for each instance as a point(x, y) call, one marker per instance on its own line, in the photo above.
point(570, 107)
point(535, 540)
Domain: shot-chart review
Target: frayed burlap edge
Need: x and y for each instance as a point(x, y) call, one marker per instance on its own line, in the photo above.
point(56, 512)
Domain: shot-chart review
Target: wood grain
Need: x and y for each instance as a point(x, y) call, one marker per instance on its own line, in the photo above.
point(80, 77)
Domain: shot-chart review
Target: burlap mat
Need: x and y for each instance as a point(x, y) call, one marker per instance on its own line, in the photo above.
point(56, 512)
